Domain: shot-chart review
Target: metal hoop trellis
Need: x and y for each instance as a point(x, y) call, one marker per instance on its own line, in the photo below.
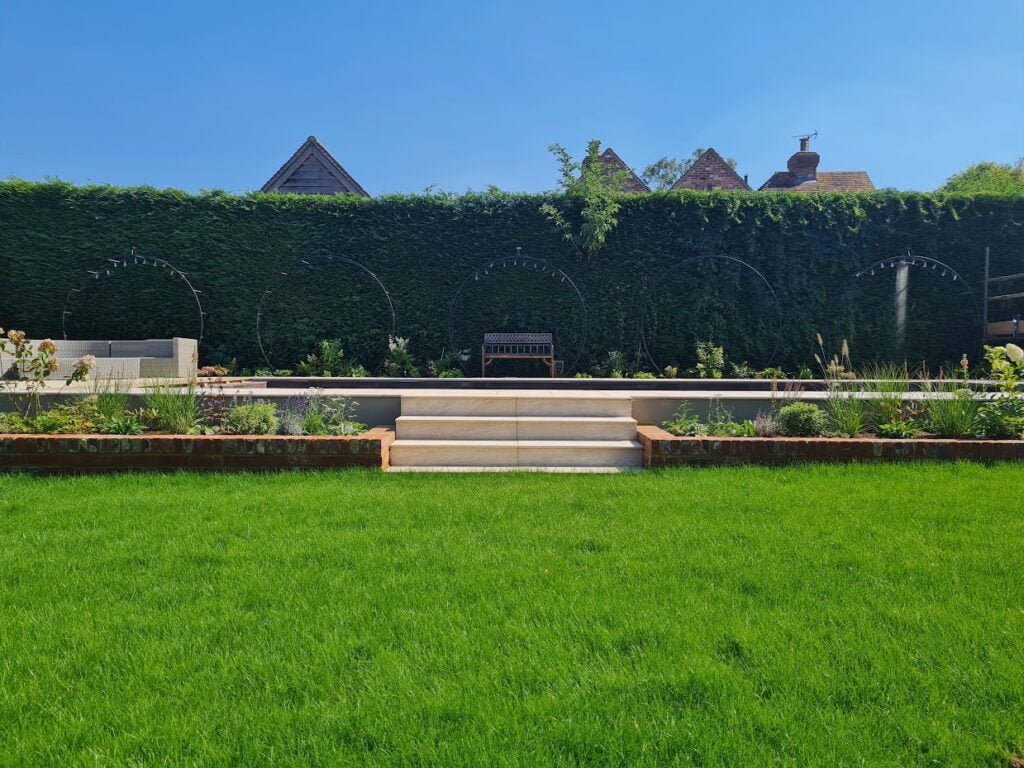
point(519, 260)
point(648, 298)
point(924, 263)
point(319, 261)
point(135, 260)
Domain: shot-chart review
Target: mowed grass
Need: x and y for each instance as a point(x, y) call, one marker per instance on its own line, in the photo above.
point(861, 615)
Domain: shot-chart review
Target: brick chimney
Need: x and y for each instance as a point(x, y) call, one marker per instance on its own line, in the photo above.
point(804, 164)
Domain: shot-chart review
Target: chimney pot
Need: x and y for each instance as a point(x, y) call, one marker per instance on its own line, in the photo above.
point(804, 143)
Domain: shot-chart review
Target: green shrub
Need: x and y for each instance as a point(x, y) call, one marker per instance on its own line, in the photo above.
point(897, 430)
point(400, 362)
point(125, 424)
point(1001, 415)
point(685, 422)
point(252, 419)
point(710, 360)
point(328, 360)
point(802, 420)
point(74, 419)
point(330, 415)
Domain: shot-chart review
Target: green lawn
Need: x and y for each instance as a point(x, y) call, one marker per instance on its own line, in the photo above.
point(864, 615)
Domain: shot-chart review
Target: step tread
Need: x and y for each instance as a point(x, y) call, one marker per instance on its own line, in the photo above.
point(532, 419)
point(511, 394)
point(515, 468)
point(456, 443)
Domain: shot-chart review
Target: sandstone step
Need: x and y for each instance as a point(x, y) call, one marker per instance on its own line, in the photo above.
point(580, 453)
point(513, 428)
point(545, 470)
point(576, 428)
point(516, 453)
point(455, 427)
point(511, 403)
point(454, 453)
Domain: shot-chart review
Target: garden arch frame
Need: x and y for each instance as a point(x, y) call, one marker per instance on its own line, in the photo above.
point(519, 261)
point(648, 297)
point(318, 261)
point(134, 260)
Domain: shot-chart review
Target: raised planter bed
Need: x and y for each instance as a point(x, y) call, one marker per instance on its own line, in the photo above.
point(87, 454)
point(663, 449)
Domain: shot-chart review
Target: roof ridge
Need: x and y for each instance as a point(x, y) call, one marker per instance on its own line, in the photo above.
point(615, 157)
point(312, 147)
point(711, 151)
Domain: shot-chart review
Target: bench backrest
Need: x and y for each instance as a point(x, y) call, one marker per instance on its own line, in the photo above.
point(517, 338)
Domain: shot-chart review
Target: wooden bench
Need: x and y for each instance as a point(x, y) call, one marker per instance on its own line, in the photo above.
point(1004, 330)
point(504, 346)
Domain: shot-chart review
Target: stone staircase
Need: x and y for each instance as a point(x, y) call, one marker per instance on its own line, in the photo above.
point(542, 430)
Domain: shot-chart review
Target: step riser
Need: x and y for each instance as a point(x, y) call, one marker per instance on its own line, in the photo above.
point(515, 406)
point(454, 456)
point(594, 431)
point(455, 430)
point(475, 429)
point(577, 457)
point(451, 456)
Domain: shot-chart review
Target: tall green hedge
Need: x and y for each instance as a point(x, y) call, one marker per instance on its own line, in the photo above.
point(423, 248)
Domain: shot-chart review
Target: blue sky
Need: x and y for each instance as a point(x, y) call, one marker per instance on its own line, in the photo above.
point(463, 94)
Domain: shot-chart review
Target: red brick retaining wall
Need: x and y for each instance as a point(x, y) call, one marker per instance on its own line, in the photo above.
point(663, 449)
point(85, 454)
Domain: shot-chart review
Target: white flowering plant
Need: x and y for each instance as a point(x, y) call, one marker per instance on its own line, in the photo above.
point(1002, 415)
point(28, 365)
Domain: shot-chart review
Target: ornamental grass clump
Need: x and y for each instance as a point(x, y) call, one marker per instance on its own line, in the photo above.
point(110, 398)
point(888, 384)
point(952, 411)
point(847, 412)
point(174, 411)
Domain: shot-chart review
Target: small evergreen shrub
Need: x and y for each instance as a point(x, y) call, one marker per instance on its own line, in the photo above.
point(252, 419)
point(802, 420)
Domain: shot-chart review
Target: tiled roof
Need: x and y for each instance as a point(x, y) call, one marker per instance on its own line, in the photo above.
point(825, 181)
point(312, 155)
point(634, 184)
point(710, 171)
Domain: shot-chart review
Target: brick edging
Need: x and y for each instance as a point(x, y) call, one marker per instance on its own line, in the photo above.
point(663, 449)
point(85, 454)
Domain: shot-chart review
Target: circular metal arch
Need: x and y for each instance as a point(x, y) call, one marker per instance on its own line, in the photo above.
point(135, 260)
point(523, 261)
point(924, 263)
point(318, 261)
point(648, 297)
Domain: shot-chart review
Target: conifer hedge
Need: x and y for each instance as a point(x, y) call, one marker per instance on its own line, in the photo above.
point(423, 248)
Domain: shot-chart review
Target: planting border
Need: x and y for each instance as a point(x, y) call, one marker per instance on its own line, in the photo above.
point(90, 454)
point(663, 449)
